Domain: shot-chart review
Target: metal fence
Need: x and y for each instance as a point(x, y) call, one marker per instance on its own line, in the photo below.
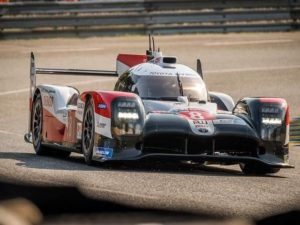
point(116, 17)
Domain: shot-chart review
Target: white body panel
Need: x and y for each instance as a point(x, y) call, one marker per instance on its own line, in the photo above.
point(55, 99)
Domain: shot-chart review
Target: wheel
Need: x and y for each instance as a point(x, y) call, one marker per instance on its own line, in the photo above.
point(257, 170)
point(88, 132)
point(37, 126)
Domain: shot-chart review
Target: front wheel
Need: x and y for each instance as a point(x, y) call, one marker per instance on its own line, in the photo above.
point(88, 132)
point(253, 169)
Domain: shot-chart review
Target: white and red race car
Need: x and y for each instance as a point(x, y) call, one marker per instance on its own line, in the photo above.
point(158, 110)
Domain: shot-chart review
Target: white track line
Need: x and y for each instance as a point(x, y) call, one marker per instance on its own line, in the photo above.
point(253, 69)
point(14, 92)
point(63, 50)
point(205, 72)
point(247, 42)
point(10, 133)
point(67, 50)
point(73, 83)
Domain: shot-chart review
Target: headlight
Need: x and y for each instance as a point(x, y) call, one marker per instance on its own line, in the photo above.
point(271, 121)
point(128, 116)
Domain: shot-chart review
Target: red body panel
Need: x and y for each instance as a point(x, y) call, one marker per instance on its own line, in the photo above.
point(272, 100)
point(131, 60)
point(53, 129)
point(56, 131)
point(105, 98)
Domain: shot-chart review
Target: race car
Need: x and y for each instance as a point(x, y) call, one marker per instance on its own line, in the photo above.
point(158, 110)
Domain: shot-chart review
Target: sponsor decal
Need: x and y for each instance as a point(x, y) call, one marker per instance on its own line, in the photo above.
point(126, 104)
point(154, 73)
point(229, 121)
point(79, 130)
point(161, 74)
point(200, 122)
point(80, 109)
point(202, 127)
point(102, 106)
point(80, 105)
point(106, 153)
point(48, 101)
point(100, 125)
point(44, 90)
point(203, 130)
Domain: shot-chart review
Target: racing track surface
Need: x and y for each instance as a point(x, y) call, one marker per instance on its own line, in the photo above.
point(257, 64)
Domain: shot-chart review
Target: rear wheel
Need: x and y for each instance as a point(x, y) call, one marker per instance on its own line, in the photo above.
point(257, 170)
point(88, 132)
point(37, 126)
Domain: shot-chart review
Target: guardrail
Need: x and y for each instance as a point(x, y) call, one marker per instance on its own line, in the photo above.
point(295, 131)
point(147, 16)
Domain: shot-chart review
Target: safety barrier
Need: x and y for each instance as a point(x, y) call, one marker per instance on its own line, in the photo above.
point(102, 17)
point(295, 131)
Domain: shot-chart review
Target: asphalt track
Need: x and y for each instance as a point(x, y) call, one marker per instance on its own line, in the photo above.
point(259, 64)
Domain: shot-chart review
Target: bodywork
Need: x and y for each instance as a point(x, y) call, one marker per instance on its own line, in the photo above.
point(131, 126)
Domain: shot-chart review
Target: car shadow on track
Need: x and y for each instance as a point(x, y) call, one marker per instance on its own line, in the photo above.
point(76, 162)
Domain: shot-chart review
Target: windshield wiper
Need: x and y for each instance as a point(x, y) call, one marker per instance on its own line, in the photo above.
point(179, 84)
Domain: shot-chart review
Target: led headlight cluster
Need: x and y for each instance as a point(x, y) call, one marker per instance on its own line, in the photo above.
point(271, 115)
point(271, 121)
point(128, 117)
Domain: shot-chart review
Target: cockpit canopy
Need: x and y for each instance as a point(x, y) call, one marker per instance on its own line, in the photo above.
point(153, 81)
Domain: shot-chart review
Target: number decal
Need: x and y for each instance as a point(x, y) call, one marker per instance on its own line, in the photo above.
point(196, 115)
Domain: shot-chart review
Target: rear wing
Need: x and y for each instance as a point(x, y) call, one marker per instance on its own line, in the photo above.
point(50, 71)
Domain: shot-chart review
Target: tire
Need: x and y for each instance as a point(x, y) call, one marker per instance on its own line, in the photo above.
point(253, 169)
point(88, 132)
point(37, 128)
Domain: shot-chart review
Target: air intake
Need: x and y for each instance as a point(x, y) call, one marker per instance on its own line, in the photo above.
point(169, 60)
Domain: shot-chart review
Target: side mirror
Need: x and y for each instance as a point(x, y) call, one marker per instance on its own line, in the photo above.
point(199, 68)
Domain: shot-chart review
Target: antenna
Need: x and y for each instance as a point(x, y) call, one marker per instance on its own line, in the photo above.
point(153, 44)
point(150, 48)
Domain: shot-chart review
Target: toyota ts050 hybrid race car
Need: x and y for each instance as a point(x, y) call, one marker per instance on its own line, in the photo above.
point(158, 110)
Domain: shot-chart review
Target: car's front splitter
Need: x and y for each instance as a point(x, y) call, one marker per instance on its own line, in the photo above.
point(205, 158)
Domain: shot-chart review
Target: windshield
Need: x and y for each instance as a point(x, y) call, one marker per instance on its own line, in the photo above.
point(167, 87)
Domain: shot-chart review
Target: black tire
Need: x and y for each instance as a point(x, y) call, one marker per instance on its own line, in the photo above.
point(37, 127)
point(253, 169)
point(88, 132)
